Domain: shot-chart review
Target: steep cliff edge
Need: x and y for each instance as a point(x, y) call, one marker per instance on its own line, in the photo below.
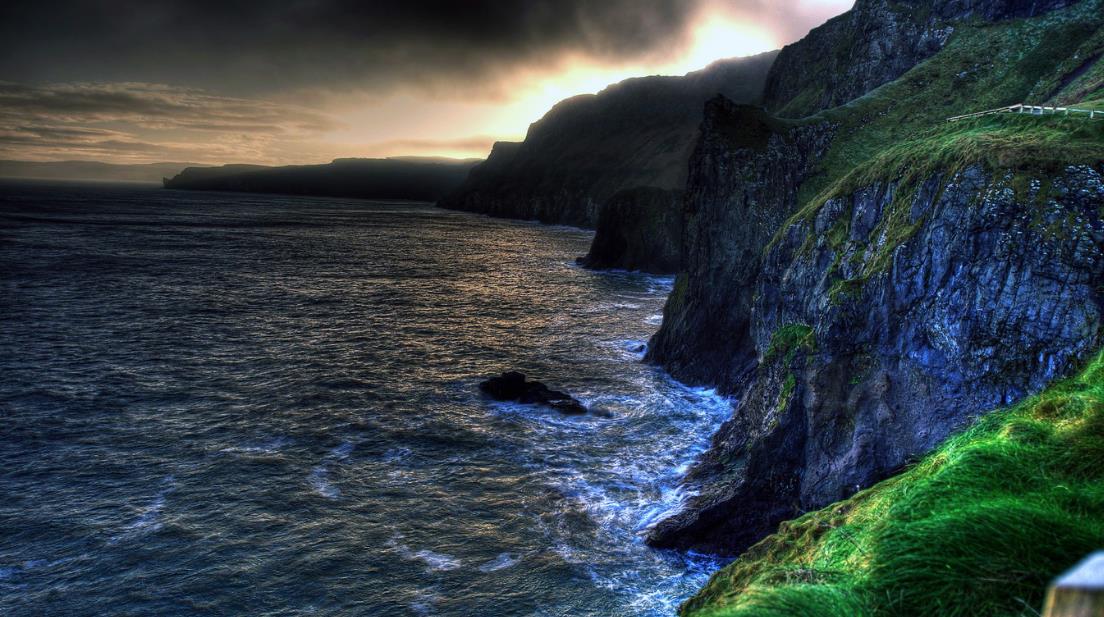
point(638, 229)
point(889, 320)
point(639, 132)
point(871, 278)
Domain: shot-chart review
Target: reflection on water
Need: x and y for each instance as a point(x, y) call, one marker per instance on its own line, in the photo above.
point(229, 404)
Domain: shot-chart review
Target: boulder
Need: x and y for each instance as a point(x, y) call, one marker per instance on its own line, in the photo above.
point(513, 386)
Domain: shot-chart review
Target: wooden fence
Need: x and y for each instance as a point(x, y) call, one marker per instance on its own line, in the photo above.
point(1079, 592)
point(1034, 110)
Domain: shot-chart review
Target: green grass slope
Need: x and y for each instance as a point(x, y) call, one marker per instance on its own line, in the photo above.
point(976, 528)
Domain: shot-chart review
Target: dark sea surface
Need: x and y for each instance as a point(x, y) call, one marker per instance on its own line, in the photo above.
point(224, 404)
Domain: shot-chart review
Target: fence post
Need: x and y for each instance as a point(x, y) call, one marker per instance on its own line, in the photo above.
point(1079, 592)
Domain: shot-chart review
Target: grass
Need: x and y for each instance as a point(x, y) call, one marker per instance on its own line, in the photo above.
point(983, 66)
point(978, 527)
point(786, 340)
point(898, 133)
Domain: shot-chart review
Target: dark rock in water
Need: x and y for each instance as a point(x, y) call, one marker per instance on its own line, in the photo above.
point(513, 386)
point(638, 229)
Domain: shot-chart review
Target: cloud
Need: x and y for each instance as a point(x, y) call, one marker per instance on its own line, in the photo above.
point(140, 119)
point(442, 47)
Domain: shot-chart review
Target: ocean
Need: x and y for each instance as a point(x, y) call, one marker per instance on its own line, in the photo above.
point(231, 404)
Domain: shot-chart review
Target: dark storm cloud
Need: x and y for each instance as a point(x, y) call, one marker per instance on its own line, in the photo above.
point(250, 47)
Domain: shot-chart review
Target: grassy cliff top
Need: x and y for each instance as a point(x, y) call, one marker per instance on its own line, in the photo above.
point(1055, 58)
point(978, 527)
point(899, 132)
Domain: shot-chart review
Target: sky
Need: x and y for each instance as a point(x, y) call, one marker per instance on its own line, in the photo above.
point(307, 81)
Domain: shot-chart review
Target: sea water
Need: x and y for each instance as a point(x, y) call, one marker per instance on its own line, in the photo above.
point(229, 404)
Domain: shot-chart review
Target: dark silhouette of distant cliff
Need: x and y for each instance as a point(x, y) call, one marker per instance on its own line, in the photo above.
point(89, 170)
point(636, 133)
point(416, 179)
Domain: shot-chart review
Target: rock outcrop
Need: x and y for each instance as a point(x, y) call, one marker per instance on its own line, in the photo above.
point(638, 229)
point(639, 132)
point(513, 386)
point(743, 185)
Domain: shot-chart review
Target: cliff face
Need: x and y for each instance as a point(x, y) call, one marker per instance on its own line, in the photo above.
point(874, 43)
point(638, 229)
point(639, 132)
point(867, 280)
point(870, 349)
point(743, 185)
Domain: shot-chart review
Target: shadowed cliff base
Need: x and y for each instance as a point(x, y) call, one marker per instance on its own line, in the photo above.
point(638, 229)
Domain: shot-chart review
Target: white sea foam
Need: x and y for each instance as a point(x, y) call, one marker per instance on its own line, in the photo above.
point(503, 561)
point(319, 481)
point(149, 518)
point(272, 446)
point(435, 562)
point(319, 477)
point(425, 603)
point(342, 451)
point(394, 455)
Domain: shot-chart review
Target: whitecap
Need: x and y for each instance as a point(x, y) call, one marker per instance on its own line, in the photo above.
point(272, 446)
point(425, 602)
point(503, 561)
point(149, 519)
point(319, 481)
point(342, 451)
point(654, 320)
point(437, 561)
point(394, 455)
point(434, 561)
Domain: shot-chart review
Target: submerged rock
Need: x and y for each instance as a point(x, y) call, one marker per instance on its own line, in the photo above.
point(513, 386)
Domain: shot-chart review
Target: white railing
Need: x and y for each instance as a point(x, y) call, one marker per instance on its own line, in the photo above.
point(1034, 110)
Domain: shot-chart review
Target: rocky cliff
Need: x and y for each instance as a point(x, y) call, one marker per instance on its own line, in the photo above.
point(638, 229)
point(869, 349)
point(639, 132)
point(867, 280)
